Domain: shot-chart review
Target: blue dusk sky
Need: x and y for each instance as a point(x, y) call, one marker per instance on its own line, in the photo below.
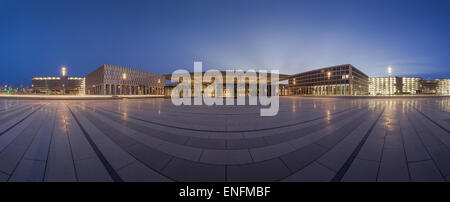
point(37, 37)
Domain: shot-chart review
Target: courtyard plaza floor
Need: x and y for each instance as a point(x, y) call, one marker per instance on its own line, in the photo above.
point(311, 139)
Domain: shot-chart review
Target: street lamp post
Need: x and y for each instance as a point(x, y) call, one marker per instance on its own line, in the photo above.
point(389, 79)
point(63, 71)
point(124, 77)
point(62, 80)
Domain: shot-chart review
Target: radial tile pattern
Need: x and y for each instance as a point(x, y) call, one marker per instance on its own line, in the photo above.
point(311, 139)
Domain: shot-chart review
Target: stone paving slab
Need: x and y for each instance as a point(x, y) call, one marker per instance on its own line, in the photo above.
point(3, 177)
point(425, 171)
point(261, 171)
point(362, 171)
point(137, 172)
point(226, 157)
point(311, 139)
point(29, 171)
point(60, 164)
point(393, 166)
point(312, 173)
point(184, 170)
point(116, 156)
point(91, 170)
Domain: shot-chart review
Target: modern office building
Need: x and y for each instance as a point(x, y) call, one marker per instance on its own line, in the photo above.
point(409, 85)
point(245, 90)
point(394, 85)
point(429, 86)
point(61, 85)
point(335, 80)
point(443, 87)
point(283, 89)
point(382, 85)
point(116, 80)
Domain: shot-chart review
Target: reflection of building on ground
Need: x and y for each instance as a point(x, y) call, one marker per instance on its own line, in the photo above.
point(115, 80)
point(62, 85)
point(335, 80)
point(245, 90)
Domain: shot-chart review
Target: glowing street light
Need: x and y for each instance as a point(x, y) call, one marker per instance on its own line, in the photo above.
point(124, 77)
point(63, 71)
point(389, 81)
point(329, 75)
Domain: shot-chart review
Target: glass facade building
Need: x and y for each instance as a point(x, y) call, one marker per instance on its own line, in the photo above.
point(61, 85)
point(410, 85)
point(336, 80)
point(443, 87)
point(428, 86)
point(235, 90)
point(382, 85)
point(394, 85)
point(116, 80)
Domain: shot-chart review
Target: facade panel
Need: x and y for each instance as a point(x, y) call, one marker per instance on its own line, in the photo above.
point(443, 87)
point(116, 80)
point(335, 80)
point(394, 85)
point(58, 85)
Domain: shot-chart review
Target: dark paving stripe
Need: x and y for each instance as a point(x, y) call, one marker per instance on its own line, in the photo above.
point(437, 149)
point(219, 110)
point(284, 137)
point(223, 131)
point(150, 157)
point(17, 123)
point(174, 138)
point(112, 173)
point(341, 172)
point(303, 157)
point(14, 152)
point(10, 115)
point(432, 121)
point(213, 143)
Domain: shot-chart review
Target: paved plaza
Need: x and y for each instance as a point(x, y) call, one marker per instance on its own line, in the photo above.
point(311, 139)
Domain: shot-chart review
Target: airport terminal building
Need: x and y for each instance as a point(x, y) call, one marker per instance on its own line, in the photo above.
point(443, 87)
point(394, 85)
point(235, 90)
point(335, 80)
point(60, 85)
point(116, 80)
point(408, 86)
